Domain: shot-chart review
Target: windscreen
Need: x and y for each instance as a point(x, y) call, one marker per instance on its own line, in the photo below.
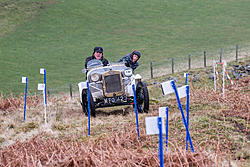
point(94, 63)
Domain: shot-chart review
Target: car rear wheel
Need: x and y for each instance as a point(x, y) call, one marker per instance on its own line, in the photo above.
point(85, 103)
point(142, 97)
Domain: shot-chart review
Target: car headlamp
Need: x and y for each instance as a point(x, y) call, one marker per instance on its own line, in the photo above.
point(95, 77)
point(128, 72)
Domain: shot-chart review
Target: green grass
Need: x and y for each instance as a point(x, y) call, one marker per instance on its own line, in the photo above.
point(59, 35)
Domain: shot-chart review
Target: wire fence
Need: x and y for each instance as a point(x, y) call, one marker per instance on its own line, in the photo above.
point(191, 61)
point(174, 65)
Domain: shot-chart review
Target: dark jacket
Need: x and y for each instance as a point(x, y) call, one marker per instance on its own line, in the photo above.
point(128, 61)
point(104, 61)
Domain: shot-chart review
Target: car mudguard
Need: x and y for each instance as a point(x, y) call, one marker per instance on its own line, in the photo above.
point(81, 86)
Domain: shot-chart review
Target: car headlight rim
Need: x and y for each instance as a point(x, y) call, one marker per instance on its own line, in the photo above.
point(95, 77)
point(128, 72)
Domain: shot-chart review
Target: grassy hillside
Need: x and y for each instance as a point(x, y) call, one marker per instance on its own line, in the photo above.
point(219, 128)
point(59, 35)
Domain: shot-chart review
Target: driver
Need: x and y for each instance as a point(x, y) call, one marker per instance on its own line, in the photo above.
point(131, 59)
point(97, 54)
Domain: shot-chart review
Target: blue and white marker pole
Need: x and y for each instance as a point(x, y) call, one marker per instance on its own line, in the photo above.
point(42, 88)
point(25, 80)
point(154, 126)
point(136, 113)
point(160, 142)
point(43, 72)
point(166, 128)
point(163, 112)
point(88, 108)
point(186, 76)
point(187, 110)
point(183, 116)
point(168, 88)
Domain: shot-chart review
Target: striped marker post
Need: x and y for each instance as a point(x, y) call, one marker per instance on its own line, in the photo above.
point(25, 80)
point(224, 74)
point(229, 78)
point(223, 80)
point(215, 76)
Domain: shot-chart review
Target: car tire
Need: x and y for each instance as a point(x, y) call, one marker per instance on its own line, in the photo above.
point(85, 103)
point(142, 97)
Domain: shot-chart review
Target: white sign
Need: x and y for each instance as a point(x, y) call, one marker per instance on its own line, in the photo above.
point(167, 87)
point(24, 79)
point(162, 111)
point(41, 87)
point(152, 126)
point(42, 71)
point(182, 91)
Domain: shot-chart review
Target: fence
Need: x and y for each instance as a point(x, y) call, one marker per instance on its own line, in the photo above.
point(172, 64)
point(190, 61)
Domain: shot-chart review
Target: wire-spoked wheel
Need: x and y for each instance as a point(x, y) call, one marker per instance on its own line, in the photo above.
point(142, 97)
point(85, 103)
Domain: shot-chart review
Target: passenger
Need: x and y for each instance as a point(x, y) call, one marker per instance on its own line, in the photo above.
point(97, 54)
point(131, 59)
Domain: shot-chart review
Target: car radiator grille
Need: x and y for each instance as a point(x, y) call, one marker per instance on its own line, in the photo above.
point(113, 84)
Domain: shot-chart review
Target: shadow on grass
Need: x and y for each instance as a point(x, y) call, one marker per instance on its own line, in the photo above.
point(113, 111)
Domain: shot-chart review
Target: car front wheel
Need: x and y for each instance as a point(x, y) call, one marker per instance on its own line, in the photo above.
point(85, 103)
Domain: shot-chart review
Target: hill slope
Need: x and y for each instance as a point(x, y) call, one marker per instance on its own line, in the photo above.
point(219, 128)
point(59, 35)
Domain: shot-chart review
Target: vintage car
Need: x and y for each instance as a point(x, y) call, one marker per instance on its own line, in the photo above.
point(112, 86)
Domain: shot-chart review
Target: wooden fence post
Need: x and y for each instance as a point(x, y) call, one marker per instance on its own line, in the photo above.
point(151, 69)
point(70, 90)
point(48, 91)
point(237, 52)
point(172, 65)
point(189, 62)
point(220, 55)
point(205, 59)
